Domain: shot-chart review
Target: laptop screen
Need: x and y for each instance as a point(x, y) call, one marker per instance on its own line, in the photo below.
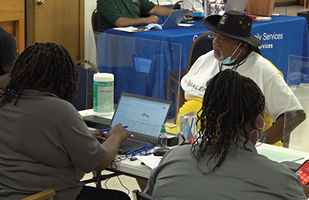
point(143, 115)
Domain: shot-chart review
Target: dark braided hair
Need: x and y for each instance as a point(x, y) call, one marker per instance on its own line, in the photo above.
point(46, 67)
point(230, 102)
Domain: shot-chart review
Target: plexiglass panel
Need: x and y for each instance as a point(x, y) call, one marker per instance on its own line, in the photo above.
point(297, 79)
point(140, 66)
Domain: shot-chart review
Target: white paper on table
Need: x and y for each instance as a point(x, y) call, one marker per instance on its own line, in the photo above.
point(183, 24)
point(129, 29)
point(263, 18)
point(151, 160)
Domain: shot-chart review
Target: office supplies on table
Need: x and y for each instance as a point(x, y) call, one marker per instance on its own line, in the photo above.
point(144, 116)
point(153, 27)
point(133, 158)
point(150, 161)
point(146, 154)
point(139, 150)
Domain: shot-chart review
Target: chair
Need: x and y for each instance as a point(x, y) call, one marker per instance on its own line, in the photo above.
point(177, 5)
point(94, 24)
point(138, 195)
point(200, 46)
point(45, 194)
point(84, 99)
point(94, 20)
point(98, 177)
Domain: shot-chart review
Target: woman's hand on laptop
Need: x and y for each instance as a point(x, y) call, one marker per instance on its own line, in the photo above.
point(117, 135)
point(119, 131)
point(101, 137)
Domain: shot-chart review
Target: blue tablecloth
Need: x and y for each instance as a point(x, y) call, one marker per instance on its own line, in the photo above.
point(142, 61)
point(282, 36)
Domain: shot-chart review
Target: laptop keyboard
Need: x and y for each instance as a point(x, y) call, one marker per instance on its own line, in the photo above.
point(133, 143)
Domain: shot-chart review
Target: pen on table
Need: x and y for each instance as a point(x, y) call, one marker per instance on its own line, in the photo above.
point(108, 129)
point(133, 158)
point(140, 149)
point(130, 152)
point(146, 154)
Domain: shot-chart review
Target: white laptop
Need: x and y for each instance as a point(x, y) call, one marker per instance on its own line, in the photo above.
point(174, 18)
point(171, 21)
point(238, 5)
point(144, 116)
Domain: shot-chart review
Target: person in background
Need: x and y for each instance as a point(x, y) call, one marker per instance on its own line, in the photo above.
point(224, 164)
point(233, 48)
point(8, 54)
point(45, 144)
point(119, 13)
point(195, 6)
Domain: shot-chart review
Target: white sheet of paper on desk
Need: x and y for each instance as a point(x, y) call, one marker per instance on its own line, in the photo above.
point(279, 156)
point(151, 160)
point(183, 24)
point(129, 29)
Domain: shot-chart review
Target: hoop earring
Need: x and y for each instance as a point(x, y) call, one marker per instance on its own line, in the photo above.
point(256, 131)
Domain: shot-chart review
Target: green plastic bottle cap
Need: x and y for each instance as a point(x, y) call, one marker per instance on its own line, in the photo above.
point(162, 128)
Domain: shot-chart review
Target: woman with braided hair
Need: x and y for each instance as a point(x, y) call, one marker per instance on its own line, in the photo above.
point(223, 163)
point(44, 141)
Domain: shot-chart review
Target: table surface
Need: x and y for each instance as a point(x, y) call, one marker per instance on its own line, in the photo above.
point(136, 169)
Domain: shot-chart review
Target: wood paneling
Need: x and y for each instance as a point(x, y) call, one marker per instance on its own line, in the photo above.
point(260, 7)
point(12, 19)
point(58, 21)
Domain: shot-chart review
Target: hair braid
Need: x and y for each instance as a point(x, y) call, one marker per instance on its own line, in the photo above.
point(230, 102)
point(46, 67)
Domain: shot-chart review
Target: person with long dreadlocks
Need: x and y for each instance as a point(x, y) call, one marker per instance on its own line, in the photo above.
point(234, 48)
point(44, 141)
point(224, 164)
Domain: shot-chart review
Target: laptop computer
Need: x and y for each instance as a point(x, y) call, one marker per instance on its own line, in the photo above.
point(144, 117)
point(171, 21)
point(238, 5)
point(174, 18)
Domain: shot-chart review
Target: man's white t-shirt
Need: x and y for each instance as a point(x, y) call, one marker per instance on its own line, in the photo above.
point(278, 96)
point(195, 6)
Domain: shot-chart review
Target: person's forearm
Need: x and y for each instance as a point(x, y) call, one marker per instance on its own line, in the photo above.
point(123, 21)
point(160, 11)
point(283, 126)
point(112, 145)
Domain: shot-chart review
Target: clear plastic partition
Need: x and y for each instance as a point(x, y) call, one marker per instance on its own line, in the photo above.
point(140, 66)
point(298, 81)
